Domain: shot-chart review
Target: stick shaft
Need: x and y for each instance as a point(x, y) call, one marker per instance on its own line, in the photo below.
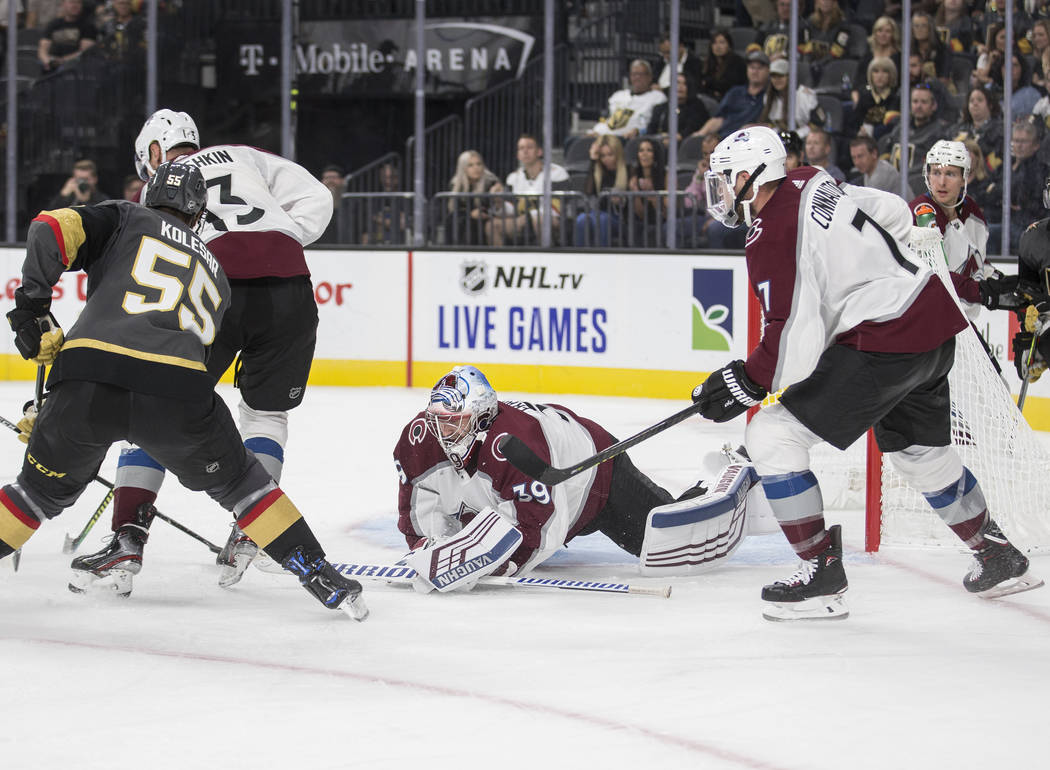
point(405, 575)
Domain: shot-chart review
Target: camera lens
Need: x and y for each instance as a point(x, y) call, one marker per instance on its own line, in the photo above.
point(83, 185)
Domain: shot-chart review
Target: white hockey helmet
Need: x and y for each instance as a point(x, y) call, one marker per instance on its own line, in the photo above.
point(757, 150)
point(946, 153)
point(462, 405)
point(168, 129)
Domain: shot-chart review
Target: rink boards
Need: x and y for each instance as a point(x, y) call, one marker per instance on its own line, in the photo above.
point(605, 324)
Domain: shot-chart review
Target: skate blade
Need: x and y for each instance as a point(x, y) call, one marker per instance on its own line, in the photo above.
point(115, 583)
point(817, 608)
point(231, 574)
point(355, 608)
point(1020, 584)
point(264, 563)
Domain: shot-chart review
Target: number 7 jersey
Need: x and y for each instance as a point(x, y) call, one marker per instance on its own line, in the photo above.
point(262, 210)
point(829, 266)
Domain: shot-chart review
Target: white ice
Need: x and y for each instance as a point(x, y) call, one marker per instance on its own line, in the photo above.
point(187, 675)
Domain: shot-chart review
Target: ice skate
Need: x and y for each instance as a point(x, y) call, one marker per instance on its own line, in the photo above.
point(235, 557)
point(999, 568)
point(815, 592)
point(112, 568)
point(329, 587)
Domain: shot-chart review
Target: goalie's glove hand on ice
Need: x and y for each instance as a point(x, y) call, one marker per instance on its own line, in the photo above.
point(728, 393)
point(28, 421)
point(1022, 345)
point(38, 337)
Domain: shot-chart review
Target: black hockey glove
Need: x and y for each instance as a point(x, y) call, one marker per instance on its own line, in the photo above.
point(38, 337)
point(1001, 293)
point(728, 393)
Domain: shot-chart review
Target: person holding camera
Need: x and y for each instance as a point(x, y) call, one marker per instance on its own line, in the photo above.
point(81, 188)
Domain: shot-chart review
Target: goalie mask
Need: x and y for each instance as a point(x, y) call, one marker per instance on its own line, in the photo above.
point(462, 405)
point(757, 151)
point(168, 129)
point(945, 153)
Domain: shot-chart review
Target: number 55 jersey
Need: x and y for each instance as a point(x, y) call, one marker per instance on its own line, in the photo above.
point(262, 210)
point(435, 500)
point(162, 295)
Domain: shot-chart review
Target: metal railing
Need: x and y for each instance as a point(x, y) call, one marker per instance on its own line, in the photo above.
point(375, 219)
point(369, 178)
point(442, 144)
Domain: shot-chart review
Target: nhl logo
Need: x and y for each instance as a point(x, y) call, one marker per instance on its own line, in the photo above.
point(473, 280)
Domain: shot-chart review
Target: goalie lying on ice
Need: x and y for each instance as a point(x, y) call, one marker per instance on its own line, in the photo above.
point(466, 512)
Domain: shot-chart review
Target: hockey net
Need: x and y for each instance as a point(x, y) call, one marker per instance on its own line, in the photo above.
point(996, 443)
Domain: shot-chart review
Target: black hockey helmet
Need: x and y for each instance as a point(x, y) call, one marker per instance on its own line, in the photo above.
point(792, 142)
point(178, 186)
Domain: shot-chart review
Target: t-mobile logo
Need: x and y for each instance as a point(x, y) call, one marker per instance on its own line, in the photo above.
point(251, 58)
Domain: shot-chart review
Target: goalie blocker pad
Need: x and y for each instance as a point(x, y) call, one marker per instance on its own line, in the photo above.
point(689, 537)
point(477, 550)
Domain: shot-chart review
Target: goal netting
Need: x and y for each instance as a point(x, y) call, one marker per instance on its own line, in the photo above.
point(1009, 460)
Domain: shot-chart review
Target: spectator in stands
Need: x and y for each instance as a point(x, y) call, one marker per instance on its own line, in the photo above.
point(648, 175)
point(990, 57)
point(66, 37)
point(1040, 38)
point(742, 104)
point(389, 218)
point(692, 114)
point(468, 217)
point(525, 224)
point(880, 101)
point(775, 109)
point(688, 64)
point(775, 34)
point(753, 13)
point(983, 187)
point(982, 122)
point(132, 187)
point(121, 30)
point(631, 109)
point(883, 43)
point(953, 18)
point(334, 178)
point(608, 171)
point(936, 58)
point(81, 188)
point(39, 13)
point(925, 129)
point(875, 172)
point(829, 36)
point(694, 219)
point(818, 153)
point(1025, 95)
point(19, 19)
point(724, 68)
point(1028, 175)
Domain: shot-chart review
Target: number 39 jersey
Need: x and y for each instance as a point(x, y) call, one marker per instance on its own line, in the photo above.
point(435, 501)
point(155, 296)
point(262, 210)
point(830, 267)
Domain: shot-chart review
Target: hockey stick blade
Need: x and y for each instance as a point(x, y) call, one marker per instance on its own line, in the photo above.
point(528, 462)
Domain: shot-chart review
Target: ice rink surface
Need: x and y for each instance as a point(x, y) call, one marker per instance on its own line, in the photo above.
point(187, 675)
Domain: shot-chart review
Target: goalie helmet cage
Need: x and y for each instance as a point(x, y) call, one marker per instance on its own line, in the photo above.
point(996, 443)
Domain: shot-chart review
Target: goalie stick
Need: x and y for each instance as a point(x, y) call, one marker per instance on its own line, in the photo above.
point(98, 511)
point(405, 575)
point(529, 463)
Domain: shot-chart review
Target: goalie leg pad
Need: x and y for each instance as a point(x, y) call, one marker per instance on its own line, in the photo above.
point(458, 562)
point(691, 536)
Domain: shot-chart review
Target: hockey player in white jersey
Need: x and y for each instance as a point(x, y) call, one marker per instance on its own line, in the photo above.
point(859, 336)
point(459, 495)
point(262, 210)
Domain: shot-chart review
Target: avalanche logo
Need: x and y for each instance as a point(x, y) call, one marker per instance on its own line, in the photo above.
point(712, 309)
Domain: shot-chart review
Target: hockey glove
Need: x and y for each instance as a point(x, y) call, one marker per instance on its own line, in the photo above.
point(1001, 292)
point(728, 393)
point(28, 421)
point(1022, 345)
point(38, 337)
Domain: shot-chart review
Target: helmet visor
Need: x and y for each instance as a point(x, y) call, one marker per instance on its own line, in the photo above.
point(721, 202)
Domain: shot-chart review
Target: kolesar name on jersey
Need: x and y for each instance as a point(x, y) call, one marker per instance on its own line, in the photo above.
point(170, 232)
point(822, 205)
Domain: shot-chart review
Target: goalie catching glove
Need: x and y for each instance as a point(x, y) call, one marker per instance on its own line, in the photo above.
point(38, 337)
point(727, 393)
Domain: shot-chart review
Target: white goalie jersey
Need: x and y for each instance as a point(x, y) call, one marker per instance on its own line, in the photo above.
point(829, 266)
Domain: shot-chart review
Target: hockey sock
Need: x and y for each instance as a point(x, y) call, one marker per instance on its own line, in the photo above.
point(139, 478)
point(269, 453)
point(275, 525)
point(17, 521)
point(962, 507)
point(799, 507)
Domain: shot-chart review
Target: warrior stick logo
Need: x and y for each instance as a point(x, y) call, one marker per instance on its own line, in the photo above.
point(712, 309)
